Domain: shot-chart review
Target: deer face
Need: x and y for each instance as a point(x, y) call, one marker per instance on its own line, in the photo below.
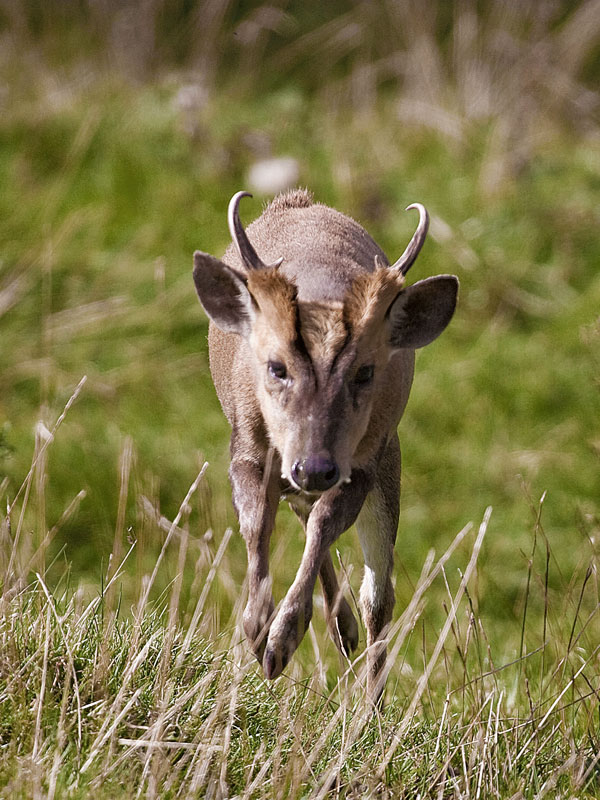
point(318, 366)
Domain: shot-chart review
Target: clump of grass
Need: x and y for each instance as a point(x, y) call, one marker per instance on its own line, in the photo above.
point(156, 700)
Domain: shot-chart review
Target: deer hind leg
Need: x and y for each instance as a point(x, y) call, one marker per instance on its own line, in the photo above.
point(377, 525)
point(340, 619)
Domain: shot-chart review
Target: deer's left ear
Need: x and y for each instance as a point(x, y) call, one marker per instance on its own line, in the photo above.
point(422, 311)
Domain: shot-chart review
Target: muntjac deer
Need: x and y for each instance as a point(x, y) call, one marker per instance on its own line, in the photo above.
point(311, 344)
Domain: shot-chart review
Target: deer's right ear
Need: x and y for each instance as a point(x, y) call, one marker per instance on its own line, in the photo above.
point(223, 294)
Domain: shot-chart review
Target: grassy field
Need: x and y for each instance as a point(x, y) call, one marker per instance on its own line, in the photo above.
point(122, 665)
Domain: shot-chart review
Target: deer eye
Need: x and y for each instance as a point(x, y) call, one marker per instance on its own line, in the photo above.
point(277, 370)
point(364, 375)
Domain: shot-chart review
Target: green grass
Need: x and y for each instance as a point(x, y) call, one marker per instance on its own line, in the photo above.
point(166, 701)
point(109, 182)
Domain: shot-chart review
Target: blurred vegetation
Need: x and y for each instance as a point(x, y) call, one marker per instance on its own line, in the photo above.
point(124, 130)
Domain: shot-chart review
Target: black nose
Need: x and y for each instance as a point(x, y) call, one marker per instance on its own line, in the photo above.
point(315, 474)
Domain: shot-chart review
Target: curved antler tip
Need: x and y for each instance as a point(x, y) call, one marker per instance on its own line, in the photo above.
point(407, 258)
point(235, 200)
point(246, 252)
point(418, 206)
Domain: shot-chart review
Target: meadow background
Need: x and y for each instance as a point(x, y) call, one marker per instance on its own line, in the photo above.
point(125, 127)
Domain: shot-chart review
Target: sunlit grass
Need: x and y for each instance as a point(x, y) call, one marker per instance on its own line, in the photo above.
point(166, 700)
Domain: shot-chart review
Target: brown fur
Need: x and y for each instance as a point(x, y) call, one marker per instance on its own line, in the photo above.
point(276, 300)
point(294, 198)
point(323, 331)
point(370, 297)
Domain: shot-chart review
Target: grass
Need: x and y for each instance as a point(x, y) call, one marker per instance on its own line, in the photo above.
point(120, 599)
point(166, 701)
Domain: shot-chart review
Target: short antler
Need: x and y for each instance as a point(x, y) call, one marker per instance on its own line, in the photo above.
point(413, 249)
point(247, 253)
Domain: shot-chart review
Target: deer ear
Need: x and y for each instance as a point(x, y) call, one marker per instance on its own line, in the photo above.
point(422, 311)
point(223, 295)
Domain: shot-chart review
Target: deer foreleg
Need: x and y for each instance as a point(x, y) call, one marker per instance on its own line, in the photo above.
point(330, 516)
point(255, 498)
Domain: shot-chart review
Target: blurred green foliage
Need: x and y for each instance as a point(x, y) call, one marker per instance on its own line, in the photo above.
point(125, 128)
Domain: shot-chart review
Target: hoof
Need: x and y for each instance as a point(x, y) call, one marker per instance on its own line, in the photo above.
point(344, 630)
point(348, 637)
point(273, 663)
point(287, 630)
point(257, 622)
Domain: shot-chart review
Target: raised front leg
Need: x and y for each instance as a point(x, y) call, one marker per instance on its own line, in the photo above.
point(338, 614)
point(330, 516)
point(377, 524)
point(255, 498)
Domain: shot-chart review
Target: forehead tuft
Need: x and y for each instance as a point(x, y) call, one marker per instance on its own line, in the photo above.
point(323, 329)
